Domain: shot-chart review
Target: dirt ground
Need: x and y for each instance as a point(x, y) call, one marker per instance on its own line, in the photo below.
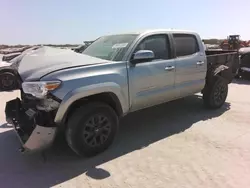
point(178, 144)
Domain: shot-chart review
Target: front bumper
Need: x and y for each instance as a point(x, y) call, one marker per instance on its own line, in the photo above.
point(33, 137)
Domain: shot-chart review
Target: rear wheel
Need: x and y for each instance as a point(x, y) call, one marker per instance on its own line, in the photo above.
point(214, 96)
point(91, 129)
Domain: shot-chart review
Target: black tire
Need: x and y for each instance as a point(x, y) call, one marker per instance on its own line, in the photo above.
point(215, 95)
point(82, 132)
point(8, 81)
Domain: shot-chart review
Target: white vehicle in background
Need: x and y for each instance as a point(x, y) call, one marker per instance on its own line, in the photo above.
point(204, 45)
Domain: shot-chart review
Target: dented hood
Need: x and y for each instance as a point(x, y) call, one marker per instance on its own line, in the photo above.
point(35, 63)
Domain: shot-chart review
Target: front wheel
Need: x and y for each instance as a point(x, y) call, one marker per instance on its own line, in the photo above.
point(91, 129)
point(215, 95)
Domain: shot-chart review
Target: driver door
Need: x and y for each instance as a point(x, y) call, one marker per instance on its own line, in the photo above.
point(152, 82)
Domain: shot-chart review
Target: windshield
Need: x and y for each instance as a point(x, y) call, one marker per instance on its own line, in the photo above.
point(111, 47)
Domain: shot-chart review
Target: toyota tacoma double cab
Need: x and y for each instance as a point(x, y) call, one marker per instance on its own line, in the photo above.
point(83, 95)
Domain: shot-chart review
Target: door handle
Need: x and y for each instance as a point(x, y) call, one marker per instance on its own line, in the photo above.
point(169, 68)
point(200, 63)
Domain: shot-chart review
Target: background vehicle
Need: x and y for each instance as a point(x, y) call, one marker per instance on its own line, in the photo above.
point(85, 95)
point(8, 71)
point(81, 48)
point(10, 56)
point(233, 42)
point(244, 68)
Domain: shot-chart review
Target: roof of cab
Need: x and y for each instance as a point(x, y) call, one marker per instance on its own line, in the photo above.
point(165, 31)
point(144, 32)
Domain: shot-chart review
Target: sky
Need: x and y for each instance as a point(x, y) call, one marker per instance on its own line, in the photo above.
point(73, 21)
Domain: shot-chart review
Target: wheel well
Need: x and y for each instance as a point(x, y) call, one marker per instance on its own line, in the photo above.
point(107, 97)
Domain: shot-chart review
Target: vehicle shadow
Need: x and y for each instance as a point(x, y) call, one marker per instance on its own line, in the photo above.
point(137, 131)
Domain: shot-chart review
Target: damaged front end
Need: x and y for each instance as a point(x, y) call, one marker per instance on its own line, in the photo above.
point(33, 120)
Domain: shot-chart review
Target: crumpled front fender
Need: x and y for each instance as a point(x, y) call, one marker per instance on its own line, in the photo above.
point(86, 91)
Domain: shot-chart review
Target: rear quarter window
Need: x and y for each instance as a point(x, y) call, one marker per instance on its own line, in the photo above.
point(185, 44)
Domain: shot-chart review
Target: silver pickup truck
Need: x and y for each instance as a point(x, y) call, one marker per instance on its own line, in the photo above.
point(83, 95)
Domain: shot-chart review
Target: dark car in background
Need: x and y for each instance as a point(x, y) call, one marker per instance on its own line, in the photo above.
point(244, 69)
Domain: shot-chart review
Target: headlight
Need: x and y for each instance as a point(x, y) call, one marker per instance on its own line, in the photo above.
point(40, 89)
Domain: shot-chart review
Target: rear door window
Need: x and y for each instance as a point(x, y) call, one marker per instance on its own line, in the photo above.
point(185, 44)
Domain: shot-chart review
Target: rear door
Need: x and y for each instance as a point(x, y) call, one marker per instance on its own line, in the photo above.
point(191, 65)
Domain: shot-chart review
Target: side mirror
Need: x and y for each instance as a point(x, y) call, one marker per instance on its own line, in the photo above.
point(142, 56)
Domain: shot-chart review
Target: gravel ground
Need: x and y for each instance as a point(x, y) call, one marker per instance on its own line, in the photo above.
point(178, 144)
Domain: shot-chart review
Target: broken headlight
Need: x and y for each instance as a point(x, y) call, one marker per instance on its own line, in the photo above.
point(40, 89)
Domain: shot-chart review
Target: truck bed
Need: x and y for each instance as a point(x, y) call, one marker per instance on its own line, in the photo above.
point(229, 58)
